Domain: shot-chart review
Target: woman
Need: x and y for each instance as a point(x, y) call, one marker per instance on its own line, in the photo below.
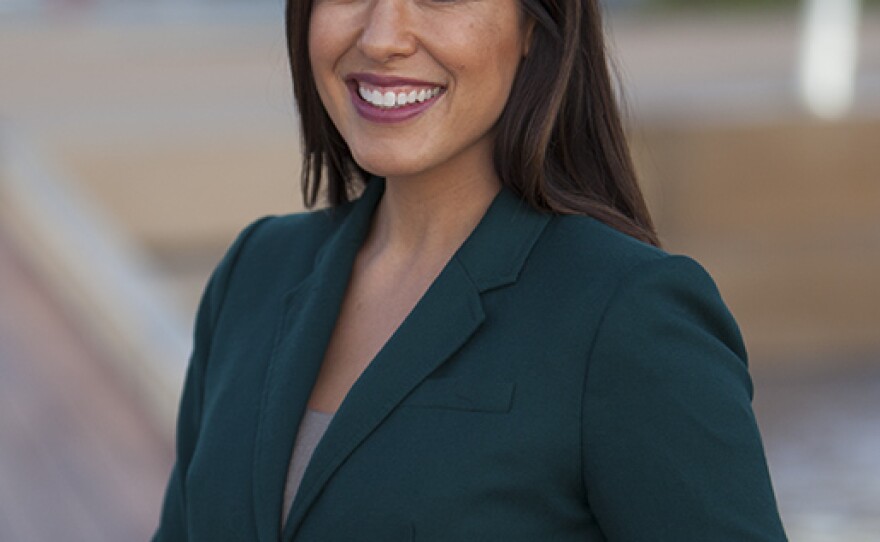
point(484, 345)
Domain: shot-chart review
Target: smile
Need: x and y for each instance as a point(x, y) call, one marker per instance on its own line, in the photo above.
point(383, 99)
point(392, 99)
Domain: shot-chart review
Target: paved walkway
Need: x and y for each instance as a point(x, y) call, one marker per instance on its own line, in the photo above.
point(78, 460)
point(822, 436)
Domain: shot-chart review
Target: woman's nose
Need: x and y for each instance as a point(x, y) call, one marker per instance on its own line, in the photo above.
point(387, 31)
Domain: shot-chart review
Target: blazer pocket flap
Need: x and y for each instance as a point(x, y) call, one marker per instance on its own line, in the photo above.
point(462, 394)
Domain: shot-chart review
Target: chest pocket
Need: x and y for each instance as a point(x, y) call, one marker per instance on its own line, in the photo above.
point(455, 393)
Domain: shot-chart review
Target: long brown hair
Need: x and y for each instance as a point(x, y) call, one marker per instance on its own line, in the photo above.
point(560, 142)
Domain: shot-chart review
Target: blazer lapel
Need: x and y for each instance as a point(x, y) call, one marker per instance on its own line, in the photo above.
point(444, 319)
point(310, 312)
point(439, 324)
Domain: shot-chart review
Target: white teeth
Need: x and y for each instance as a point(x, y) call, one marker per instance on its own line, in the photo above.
point(390, 99)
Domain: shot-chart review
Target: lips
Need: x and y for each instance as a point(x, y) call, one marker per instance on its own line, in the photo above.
point(387, 99)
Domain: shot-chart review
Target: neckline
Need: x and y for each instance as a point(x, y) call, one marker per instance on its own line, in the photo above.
point(319, 413)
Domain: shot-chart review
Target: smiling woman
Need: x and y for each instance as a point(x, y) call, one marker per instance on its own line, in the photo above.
point(559, 143)
point(464, 54)
point(480, 339)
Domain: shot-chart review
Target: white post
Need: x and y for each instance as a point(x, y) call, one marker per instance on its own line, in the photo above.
point(829, 56)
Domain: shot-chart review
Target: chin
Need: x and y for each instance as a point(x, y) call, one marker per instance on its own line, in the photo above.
point(389, 166)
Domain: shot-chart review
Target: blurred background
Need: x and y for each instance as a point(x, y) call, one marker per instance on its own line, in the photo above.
point(137, 137)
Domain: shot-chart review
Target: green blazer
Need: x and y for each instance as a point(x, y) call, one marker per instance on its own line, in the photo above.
point(559, 381)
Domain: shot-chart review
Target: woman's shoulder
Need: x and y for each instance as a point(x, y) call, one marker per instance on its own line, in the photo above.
point(590, 255)
point(591, 246)
point(296, 229)
point(296, 235)
point(275, 249)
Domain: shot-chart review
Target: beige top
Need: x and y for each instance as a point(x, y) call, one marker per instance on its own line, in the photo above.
point(311, 429)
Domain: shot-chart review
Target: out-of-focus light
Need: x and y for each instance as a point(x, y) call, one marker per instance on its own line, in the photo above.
point(829, 56)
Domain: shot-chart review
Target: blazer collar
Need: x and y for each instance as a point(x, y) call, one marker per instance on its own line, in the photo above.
point(440, 323)
point(493, 254)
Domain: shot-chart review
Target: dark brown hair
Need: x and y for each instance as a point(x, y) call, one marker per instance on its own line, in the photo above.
point(560, 143)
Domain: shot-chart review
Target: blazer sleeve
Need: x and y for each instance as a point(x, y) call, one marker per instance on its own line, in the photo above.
point(671, 449)
point(172, 524)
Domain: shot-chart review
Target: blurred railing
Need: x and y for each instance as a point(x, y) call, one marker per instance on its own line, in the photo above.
point(97, 270)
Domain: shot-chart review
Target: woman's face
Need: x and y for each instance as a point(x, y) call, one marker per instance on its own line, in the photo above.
point(415, 85)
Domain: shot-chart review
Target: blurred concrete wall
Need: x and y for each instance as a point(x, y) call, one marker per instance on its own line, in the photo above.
point(787, 218)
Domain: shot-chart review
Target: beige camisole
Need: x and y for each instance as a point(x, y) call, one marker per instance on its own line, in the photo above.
point(311, 429)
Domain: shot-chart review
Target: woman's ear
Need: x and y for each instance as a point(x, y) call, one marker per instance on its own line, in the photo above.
point(529, 28)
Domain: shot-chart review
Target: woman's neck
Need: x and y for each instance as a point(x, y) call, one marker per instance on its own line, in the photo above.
point(429, 217)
